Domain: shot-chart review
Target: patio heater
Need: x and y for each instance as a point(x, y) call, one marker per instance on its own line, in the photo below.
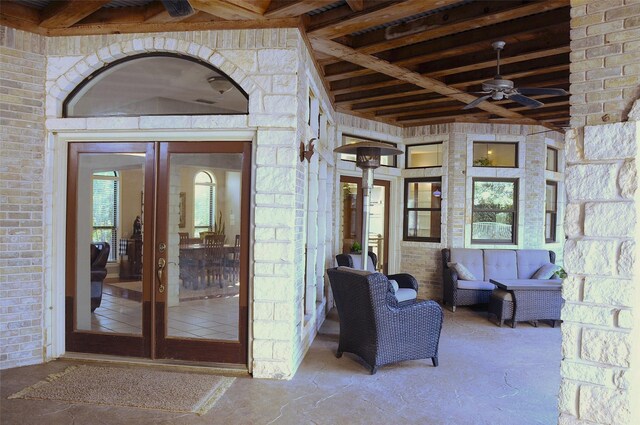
point(368, 158)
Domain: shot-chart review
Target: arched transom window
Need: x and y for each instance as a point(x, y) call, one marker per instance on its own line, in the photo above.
point(156, 84)
point(204, 189)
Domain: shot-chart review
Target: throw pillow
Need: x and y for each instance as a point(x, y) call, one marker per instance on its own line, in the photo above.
point(395, 285)
point(545, 271)
point(463, 272)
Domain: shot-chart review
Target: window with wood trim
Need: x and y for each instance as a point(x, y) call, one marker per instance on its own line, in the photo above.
point(105, 209)
point(550, 211)
point(422, 209)
point(385, 160)
point(552, 159)
point(424, 155)
point(204, 205)
point(494, 215)
point(489, 154)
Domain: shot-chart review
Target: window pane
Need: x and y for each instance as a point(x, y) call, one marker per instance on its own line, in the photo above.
point(493, 195)
point(549, 223)
point(423, 224)
point(202, 206)
point(424, 195)
point(552, 159)
point(157, 85)
point(494, 154)
point(492, 226)
point(424, 155)
point(104, 192)
point(550, 197)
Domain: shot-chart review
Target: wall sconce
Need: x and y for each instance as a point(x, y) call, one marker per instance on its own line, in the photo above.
point(437, 193)
point(307, 153)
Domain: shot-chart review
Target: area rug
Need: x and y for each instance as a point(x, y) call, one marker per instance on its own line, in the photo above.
point(145, 388)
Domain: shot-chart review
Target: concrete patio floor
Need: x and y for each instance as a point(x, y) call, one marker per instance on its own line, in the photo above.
point(487, 375)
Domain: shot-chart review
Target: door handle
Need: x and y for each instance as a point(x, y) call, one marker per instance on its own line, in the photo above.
point(161, 264)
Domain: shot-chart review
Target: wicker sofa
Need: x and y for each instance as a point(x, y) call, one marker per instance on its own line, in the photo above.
point(487, 264)
point(375, 327)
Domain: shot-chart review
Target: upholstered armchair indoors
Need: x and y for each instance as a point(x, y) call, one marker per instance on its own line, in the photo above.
point(375, 327)
point(405, 285)
point(99, 257)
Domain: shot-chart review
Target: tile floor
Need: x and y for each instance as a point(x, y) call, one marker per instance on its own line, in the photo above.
point(487, 375)
point(211, 318)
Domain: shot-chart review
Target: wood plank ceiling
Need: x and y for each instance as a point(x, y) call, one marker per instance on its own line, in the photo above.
point(404, 62)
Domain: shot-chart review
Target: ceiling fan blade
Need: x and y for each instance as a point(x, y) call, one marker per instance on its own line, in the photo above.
point(526, 101)
point(477, 102)
point(177, 8)
point(541, 90)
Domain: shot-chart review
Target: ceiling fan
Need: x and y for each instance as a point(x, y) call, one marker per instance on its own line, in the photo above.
point(499, 88)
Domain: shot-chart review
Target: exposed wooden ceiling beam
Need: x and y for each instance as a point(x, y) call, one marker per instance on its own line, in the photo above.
point(290, 8)
point(536, 28)
point(156, 13)
point(346, 53)
point(22, 17)
point(356, 5)
point(464, 18)
point(258, 6)
point(225, 10)
point(193, 23)
point(511, 71)
point(63, 14)
point(367, 19)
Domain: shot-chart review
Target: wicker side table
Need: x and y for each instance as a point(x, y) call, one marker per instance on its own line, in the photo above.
point(532, 300)
point(501, 306)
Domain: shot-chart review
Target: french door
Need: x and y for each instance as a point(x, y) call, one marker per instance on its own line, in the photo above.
point(144, 277)
point(351, 217)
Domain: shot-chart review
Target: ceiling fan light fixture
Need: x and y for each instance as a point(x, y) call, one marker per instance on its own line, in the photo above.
point(220, 84)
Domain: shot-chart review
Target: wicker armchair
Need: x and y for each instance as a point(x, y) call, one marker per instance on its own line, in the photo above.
point(375, 327)
point(99, 257)
point(404, 280)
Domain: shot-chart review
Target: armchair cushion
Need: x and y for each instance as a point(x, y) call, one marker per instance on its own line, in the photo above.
point(356, 260)
point(476, 284)
point(545, 272)
point(405, 294)
point(463, 272)
point(394, 284)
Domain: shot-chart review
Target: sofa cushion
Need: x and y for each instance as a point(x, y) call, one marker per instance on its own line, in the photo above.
point(500, 264)
point(406, 294)
point(356, 259)
point(462, 271)
point(475, 284)
point(530, 260)
point(470, 258)
point(546, 271)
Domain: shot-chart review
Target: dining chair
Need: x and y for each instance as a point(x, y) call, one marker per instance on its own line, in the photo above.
point(214, 260)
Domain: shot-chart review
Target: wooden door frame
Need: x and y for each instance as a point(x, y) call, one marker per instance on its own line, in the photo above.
point(387, 209)
point(194, 349)
point(98, 342)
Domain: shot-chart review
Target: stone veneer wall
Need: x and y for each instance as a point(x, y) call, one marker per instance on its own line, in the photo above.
point(267, 64)
point(601, 366)
point(22, 135)
point(605, 60)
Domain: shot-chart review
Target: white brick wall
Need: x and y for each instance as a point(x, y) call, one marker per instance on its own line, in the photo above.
point(21, 194)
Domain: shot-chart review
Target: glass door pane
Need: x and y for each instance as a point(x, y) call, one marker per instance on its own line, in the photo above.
point(109, 237)
point(203, 283)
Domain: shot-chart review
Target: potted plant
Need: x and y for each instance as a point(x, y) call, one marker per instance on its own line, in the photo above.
point(356, 248)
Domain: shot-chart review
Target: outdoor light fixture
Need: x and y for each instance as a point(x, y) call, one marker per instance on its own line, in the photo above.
point(368, 159)
point(437, 193)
